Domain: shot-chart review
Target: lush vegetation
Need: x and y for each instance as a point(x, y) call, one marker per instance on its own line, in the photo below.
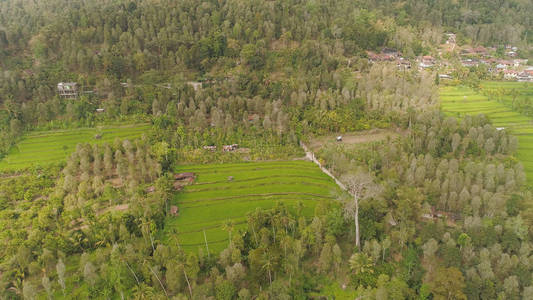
point(506, 104)
point(242, 187)
point(451, 203)
point(438, 210)
point(45, 147)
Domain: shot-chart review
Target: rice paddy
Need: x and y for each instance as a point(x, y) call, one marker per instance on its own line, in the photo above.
point(495, 101)
point(45, 147)
point(215, 198)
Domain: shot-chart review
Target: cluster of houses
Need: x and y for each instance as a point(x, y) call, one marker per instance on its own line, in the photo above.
point(512, 67)
point(225, 148)
point(523, 76)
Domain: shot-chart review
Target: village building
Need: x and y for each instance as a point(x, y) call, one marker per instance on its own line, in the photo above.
point(520, 62)
point(68, 90)
point(403, 64)
point(210, 148)
point(525, 76)
point(480, 50)
point(195, 85)
point(503, 65)
point(174, 211)
point(488, 61)
point(375, 57)
point(511, 53)
point(230, 148)
point(185, 176)
point(183, 179)
point(467, 51)
point(427, 62)
point(510, 74)
point(469, 63)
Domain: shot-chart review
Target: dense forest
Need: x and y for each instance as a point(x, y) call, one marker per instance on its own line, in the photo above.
point(440, 211)
point(246, 49)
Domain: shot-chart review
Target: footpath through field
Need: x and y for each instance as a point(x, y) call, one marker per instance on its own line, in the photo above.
point(311, 156)
point(460, 100)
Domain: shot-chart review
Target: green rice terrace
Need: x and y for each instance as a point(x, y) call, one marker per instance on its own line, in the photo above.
point(44, 147)
point(227, 192)
point(500, 102)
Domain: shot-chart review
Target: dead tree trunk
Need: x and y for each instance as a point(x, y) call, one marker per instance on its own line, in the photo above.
point(356, 218)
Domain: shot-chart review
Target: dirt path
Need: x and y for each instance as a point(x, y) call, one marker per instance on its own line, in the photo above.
point(311, 156)
point(367, 136)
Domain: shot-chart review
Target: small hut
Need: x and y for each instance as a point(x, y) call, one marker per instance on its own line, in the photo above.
point(68, 90)
point(178, 186)
point(174, 211)
point(229, 148)
point(184, 176)
point(210, 148)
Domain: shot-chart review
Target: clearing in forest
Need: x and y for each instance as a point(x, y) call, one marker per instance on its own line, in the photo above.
point(496, 100)
point(352, 138)
point(45, 147)
point(223, 192)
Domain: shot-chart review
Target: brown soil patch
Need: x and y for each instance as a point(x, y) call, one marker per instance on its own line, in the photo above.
point(243, 150)
point(359, 137)
point(115, 182)
point(120, 207)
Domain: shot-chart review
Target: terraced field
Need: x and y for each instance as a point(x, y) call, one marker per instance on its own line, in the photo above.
point(213, 199)
point(460, 101)
point(44, 147)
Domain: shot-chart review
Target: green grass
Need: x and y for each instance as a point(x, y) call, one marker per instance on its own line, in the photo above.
point(461, 100)
point(45, 147)
point(205, 205)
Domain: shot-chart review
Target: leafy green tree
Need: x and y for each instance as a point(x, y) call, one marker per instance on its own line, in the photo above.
point(448, 283)
point(60, 267)
point(362, 269)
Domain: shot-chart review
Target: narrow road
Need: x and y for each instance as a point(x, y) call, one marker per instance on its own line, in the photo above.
point(311, 156)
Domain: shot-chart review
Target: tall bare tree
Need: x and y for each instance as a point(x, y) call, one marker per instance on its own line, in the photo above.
point(361, 185)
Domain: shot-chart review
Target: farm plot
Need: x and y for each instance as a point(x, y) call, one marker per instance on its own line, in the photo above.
point(460, 101)
point(214, 198)
point(44, 147)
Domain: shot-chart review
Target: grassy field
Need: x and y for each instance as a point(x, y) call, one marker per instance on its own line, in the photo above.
point(460, 100)
point(44, 147)
point(213, 199)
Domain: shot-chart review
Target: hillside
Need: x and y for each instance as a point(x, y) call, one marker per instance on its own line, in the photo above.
point(157, 149)
point(245, 187)
point(507, 110)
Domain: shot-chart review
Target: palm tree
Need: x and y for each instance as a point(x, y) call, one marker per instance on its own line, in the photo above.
point(228, 226)
point(360, 263)
point(268, 265)
point(143, 291)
